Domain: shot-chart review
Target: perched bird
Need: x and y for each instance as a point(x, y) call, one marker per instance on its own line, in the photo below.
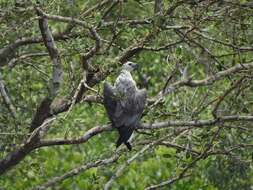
point(124, 103)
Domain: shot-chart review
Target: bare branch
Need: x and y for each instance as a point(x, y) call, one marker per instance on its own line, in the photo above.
point(97, 46)
point(138, 154)
point(63, 19)
point(8, 53)
point(53, 52)
point(183, 173)
point(205, 36)
point(178, 147)
point(211, 79)
point(77, 171)
point(197, 123)
point(226, 93)
point(89, 134)
point(168, 182)
point(12, 63)
point(97, 6)
point(7, 99)
point(128, 22)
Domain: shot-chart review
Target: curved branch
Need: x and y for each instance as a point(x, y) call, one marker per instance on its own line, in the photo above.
point(207, 81)
point(196, 123)
point(8, 52)
point(63, 19)
point(130, 160)
point(7, 99)
point(89, 134)
point(167, 182)
point(77, 171)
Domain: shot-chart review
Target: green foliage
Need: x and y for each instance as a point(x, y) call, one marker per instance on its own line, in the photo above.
point(28, 82)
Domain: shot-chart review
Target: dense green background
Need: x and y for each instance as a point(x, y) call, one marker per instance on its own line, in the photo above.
point(27, 84)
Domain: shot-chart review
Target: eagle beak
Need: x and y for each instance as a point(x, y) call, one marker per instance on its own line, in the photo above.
point(135, 66)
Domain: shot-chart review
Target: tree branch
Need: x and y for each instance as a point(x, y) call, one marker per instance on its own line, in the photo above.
point(7, 99)
point(196, 123)
point(89, 134)
point(77, 171)
point(53, 52)
point(209, 80)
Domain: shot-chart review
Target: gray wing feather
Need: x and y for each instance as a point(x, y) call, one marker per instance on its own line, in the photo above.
point(110, 102)
point(140, 100)
point(129, 112)
point(124, 112)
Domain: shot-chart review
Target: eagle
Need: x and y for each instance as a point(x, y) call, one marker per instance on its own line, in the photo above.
point(124, 103)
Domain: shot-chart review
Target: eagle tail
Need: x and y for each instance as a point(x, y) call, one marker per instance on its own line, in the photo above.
point(124, 134)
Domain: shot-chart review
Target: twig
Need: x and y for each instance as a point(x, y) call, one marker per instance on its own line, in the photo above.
point(13, 61)
point(62, 18)
point(8, 52)
point(89, 134)
point(223, 43)
point(168, 182)
point(183, 172)
point(129, 161)
point(92, 9)
point(6, 99)
point(74, 98)
point(211, 79)
point(77, 171)
point(196, 123)
point(139, 153)
point(226, 93)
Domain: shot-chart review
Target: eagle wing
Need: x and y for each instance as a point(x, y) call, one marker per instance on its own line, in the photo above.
point(124, 112)
point(129, 109)
point(110, 102)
